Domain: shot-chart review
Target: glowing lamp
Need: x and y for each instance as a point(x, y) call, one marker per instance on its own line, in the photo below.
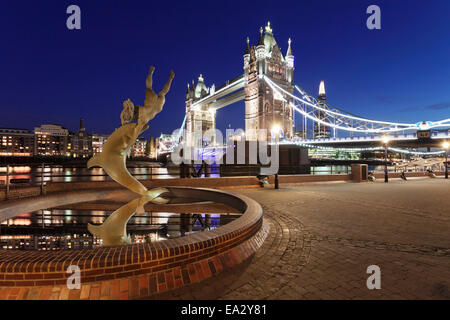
point(276, 129)
point(445, 145)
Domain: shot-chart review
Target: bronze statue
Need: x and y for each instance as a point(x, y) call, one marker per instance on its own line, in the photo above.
point(113, 160)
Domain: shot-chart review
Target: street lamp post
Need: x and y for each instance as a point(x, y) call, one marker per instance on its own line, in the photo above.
point(276, 129)
point(386, 175)
point(276, 181)
point(446, 145)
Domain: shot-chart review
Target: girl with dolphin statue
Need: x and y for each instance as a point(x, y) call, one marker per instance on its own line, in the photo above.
point(113, 160)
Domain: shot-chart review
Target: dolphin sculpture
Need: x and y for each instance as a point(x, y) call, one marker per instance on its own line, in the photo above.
point(113, 231)
point(113, 157)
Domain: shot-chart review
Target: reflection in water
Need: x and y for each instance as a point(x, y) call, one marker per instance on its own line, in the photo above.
point(16, 174)
point(60, 173)
point(56, 229)
point(113, 231)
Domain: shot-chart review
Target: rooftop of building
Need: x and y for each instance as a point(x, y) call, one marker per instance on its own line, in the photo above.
point(51, 126)
point(15, 130)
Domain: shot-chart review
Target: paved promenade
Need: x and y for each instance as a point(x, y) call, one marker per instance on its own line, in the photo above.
point(324, 236)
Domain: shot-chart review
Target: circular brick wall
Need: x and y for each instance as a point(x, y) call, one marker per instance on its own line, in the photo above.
point(140, 270)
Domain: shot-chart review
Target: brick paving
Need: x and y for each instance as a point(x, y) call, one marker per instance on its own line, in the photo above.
point(324, 236)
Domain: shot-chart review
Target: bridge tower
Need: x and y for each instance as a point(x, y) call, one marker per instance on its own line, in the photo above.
point(201, 117)
point(263, 109)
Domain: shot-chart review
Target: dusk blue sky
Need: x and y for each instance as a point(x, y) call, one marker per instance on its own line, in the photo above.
point(50, 74)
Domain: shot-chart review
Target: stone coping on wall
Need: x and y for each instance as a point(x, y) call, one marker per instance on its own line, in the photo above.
point(174, 257)
point(210, 182)
point(408, 174)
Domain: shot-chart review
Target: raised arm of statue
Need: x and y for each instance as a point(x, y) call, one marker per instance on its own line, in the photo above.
point(166, 87)
point(153, 103)
point(149, 93)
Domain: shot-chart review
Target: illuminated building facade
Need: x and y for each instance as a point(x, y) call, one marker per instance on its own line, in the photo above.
point(320, 130)
point(16, 142)
point(139, 148)
point(80, 145)
point(51, 140)
point(98, 140)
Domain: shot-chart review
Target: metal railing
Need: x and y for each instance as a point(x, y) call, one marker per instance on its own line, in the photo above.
point(411, 168)
point(38, 176)
point(339, 170)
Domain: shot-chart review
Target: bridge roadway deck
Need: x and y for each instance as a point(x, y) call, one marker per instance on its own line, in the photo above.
point(399, 140)
point(323, 237)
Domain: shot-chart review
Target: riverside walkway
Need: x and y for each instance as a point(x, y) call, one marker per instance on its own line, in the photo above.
point(324, 236)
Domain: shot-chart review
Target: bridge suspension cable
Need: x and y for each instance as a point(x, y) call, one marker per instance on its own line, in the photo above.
point(309, 107)
point(180, 132)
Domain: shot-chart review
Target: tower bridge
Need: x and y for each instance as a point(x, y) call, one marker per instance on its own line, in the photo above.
point(263, 107)
point(272, 99)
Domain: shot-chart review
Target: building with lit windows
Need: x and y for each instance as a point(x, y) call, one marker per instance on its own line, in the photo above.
point(139, 148)
point(320, 130)
point(80, 145)
point(98, 140)
point(16, 142)
point(51, 140)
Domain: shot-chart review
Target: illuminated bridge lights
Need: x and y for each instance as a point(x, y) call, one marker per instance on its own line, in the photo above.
point(309, 108)
point(347, 122)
